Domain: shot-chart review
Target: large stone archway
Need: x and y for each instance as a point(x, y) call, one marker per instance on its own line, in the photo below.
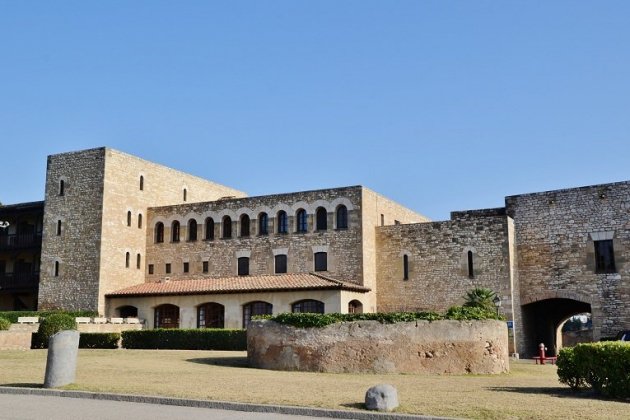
point(542, 317)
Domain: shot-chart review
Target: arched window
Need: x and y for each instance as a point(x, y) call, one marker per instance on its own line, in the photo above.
point(56, 269)
point(209, 228)
point(58, 227)
point(355, 307)
point(128, 218)
point(140, 221)
point(185, 194)
point(141, 183)
point(262, 224)
point(138, 261)
point(244, 225)
point(255, 308)
point(471, 267)
point(159, 232)
point(280, 264)
point(281, 220)
point(128, 311)
point(166, 316)
point(62, 187)
point(210, 315)
point(308, 305)
point(127, 260)
point(342, 217)
point(243, 266)
point(227, 227)
point(175, 231)
point(405, 267)
point(192, 230)
point(321, 217)
point(321, 261)
point(302, 224)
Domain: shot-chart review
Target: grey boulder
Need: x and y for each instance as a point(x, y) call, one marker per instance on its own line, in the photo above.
point(382, 397)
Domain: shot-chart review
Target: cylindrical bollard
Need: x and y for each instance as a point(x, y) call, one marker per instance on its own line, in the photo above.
point(61, 363)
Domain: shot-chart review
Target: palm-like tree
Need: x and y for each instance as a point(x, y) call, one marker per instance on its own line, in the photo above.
point(480, 297)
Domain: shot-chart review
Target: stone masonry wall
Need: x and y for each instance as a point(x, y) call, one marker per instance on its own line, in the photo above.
point(76, 248)
point(439, 347)
point(343, 246)
point(100, 187)
point(438, 262)
point(555, 250)
point(379, 211)
point(122, 194)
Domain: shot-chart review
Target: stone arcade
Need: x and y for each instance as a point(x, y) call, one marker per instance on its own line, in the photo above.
point(123, 236)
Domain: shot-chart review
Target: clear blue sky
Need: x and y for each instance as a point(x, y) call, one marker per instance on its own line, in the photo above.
point(440, 105)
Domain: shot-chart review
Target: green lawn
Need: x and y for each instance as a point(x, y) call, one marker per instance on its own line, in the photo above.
point(529, 391)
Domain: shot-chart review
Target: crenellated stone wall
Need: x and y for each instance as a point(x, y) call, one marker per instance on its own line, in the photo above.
point(438, 347)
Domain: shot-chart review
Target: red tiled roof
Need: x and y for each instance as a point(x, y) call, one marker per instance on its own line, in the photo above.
point(240, 284)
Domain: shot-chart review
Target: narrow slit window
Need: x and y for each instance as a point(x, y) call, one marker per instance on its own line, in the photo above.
point(58, 227)
point(138, 261)
point(127, 256)
point(141, 183)
point(471, 265)
point(140, 221)
point(128, 218)
point(405, 267)
point(56, 268)
point(62, 187)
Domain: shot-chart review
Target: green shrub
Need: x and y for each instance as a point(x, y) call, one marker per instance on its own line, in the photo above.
point(603, 366)
point(14, 315)
point(568, 372)
point(185, 339)
point(51, 325)
point(308, 320)
point(99, 340)
point(5, 324)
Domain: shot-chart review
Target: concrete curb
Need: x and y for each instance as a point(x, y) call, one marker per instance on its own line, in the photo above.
point(220, 405)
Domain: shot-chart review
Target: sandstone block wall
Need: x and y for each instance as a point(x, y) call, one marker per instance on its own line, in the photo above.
point(441, 347)
point(343, 246)
point(438, 262)
point(555, 251)
point(15, 340)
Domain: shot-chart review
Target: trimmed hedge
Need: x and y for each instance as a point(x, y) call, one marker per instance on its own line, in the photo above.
point(99, 340)
point(307, 320)
point(5, 324)
point(14, 315)
point(51, 325)
point(603, 366)
point(185, 339)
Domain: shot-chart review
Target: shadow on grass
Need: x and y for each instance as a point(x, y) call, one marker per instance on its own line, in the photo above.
point(237, 362)
point(355, 406)
point(24, 385)
point(560, 392)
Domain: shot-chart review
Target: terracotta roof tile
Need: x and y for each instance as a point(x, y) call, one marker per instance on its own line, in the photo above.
point(240, 284)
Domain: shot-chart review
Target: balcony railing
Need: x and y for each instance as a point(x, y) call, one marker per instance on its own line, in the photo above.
point(23, 240)
point(14, 281)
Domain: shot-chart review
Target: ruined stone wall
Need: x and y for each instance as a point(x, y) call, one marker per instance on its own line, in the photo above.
point(438, 347)
point(101, 186)
point(343, 246)
point(379, 211)
point(438, 275)
point(555, 249)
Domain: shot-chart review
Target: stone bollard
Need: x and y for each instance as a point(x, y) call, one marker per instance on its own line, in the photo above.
point(61, 363)
point(382, 397)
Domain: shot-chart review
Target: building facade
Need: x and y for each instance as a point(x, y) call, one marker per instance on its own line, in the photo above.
point(127, 237)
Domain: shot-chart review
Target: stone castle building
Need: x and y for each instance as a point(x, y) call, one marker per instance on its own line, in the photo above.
point(127, 237)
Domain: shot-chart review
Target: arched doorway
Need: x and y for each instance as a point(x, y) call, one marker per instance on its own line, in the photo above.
point(166, 316)
point(543, 319)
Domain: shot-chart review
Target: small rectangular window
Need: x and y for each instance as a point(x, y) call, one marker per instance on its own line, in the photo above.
point(168, 268)
point(321, 261)
point(604, 257)
point(205, 266)
point(150, 268)
point(186, 267)
point(280, 264)
point(382, 220)
point(396, 222)
point(243, 266)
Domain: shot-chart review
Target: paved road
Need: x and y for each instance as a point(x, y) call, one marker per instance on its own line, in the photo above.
point(36, 407)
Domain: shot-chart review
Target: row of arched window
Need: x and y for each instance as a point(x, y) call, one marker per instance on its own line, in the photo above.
point(212, 314)
point(281, 227)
